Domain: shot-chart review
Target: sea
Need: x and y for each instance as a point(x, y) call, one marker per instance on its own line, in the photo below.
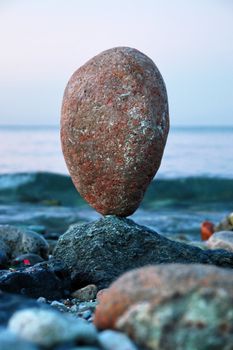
point(202, 154)
point(190, 151)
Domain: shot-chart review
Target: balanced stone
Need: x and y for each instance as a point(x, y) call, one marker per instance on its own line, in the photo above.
point(114, 128)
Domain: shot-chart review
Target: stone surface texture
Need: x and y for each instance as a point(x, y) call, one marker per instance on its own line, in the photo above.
point(86, 293)
point(48, 279)
point(99, 252)
point(21, 241)
point(221, 240)
point(10, 303)
point(171, 306)
point(114, 128)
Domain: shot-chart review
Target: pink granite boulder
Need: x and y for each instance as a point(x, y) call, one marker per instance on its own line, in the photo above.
point(114, 127)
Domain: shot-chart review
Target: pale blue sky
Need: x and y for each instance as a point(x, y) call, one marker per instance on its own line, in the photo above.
point(44, 41)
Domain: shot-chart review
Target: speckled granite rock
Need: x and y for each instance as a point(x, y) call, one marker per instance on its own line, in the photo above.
point(171, 306)
point(20, 241)
point(101, 251)
point(114, 128)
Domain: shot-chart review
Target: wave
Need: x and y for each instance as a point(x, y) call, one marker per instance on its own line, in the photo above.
point(57, 189)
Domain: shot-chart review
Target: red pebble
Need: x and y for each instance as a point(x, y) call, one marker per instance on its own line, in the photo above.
point(207, 229)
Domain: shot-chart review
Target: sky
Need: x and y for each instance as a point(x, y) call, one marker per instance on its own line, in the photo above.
point(44, 41)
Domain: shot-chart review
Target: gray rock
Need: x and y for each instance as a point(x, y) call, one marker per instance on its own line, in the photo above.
point(101, 251)
point(26, 259)
point(4, 254)
point(221, 240)
point(9, 303)
point(59, 306)
point(41, 300)
point(9, 341)
point(20, 241)
point(48, 328)
point(47, 279)
point(110, 340)
point(91, 305)
point(87, 314)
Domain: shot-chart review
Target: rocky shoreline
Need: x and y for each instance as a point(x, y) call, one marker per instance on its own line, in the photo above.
point(37, 208)
point(61, 284)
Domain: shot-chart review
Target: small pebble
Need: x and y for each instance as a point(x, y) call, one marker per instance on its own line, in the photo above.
point(87, 293)
point(112, 340)
point(74, 308)
point(59, 306)
point(87, 305)
point(42, 300)
point(86, 314)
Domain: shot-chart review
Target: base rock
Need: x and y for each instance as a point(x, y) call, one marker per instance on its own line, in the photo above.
point(101, 251)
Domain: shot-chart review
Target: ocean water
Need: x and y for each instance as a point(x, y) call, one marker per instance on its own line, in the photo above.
point(194, 182)
point(197, 151)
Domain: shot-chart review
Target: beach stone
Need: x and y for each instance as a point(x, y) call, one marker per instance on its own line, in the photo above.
point(59, 306)
point(171, 306)
point(226, 224)
point(86, 293)
point(9, 303)
point(47, 279)
point(20, 241)
point(112, 340)
point(28, 259)
point(114, 127)
point(9, 341)
point(221, 240)
point(48, 328)
point(99, 252)
point(207, 229)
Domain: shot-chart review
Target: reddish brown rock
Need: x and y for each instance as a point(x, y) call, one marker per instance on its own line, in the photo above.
point(114, 128)
point(207, 229)
point(157, 285)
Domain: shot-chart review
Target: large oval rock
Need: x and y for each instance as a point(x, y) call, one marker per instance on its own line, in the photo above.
point(114, 128)
point(171, 306)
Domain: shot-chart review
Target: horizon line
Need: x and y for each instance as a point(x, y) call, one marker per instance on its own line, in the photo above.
point(171, 126)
